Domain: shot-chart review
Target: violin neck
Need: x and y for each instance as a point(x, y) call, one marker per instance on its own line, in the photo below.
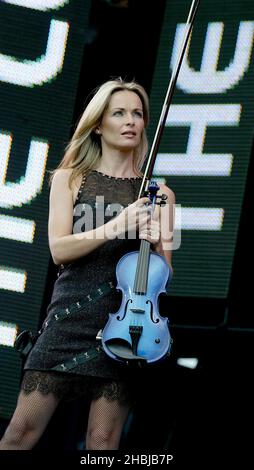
point(141, 276)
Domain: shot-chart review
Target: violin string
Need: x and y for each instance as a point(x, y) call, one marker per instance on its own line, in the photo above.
point(140, 268)
point(147, 263)
point(142, 251)
point(137, 273)
point(144, 266)
point(141, 277)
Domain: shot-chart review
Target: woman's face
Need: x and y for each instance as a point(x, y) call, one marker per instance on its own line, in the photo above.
point(122, 123)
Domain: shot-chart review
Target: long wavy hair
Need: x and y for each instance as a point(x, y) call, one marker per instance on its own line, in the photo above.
point(83, 152)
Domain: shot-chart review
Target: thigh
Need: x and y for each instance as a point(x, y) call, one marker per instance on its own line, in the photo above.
point(34, 409)
point(107, 415)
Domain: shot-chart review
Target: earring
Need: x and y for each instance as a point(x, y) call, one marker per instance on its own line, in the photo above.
point(97, 131)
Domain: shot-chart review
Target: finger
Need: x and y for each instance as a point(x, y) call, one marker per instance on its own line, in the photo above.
point(145, 210)
point(144, 236)
point(144, 214)
point(155, 224)
point(146, 233)
point(142, 201)
point(144, 222)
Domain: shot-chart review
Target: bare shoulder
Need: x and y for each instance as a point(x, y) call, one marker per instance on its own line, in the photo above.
point(164, 189)
point(61, 176)
point(60, 191)
point(61, 180)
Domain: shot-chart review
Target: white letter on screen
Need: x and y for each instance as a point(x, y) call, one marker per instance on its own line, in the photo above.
point(12, 279)
point(194, 161)
point(16, 194)
point(209, 79)
point(42, 5)
point(37, 72)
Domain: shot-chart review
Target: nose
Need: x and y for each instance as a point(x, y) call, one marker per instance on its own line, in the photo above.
point(130, 119)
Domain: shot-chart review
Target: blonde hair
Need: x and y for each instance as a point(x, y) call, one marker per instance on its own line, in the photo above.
point(83, 152)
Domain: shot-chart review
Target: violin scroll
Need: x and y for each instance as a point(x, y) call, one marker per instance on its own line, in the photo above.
point(152, 194)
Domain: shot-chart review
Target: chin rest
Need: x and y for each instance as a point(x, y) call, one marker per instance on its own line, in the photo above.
point(122, 349)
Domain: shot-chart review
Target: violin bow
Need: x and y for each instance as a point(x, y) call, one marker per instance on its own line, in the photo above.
point(168, 99)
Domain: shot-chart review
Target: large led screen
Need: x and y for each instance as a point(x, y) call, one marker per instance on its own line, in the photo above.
point(41, 49)
point(206, 145)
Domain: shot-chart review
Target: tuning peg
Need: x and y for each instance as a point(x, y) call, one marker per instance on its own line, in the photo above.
point(161, 203)
point(163, 197)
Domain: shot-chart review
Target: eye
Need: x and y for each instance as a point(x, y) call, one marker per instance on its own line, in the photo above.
point(117, 113)
point(138, 113)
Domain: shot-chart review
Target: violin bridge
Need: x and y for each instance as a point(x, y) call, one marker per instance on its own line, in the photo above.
point(137, 310)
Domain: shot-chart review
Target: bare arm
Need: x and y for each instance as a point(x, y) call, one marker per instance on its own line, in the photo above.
point(66, 247)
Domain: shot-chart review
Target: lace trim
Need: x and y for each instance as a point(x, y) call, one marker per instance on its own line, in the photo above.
point(69, 386)
point(118, 177)
point(80, 189)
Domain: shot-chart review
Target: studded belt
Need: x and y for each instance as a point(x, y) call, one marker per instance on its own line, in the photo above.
point(77, 360)
point(26, 340)
point(74, 308)
point(92, 352)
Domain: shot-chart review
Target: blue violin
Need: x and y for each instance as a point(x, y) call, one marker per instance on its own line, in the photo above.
point(137, 331)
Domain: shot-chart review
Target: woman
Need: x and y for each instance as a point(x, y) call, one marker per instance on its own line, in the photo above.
point(94, 193)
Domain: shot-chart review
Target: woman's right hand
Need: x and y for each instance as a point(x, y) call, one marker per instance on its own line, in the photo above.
point(134, 217)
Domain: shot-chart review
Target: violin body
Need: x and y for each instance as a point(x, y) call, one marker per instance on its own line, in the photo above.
point(137, 331)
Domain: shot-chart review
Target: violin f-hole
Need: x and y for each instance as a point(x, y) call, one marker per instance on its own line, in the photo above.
point(156, 320)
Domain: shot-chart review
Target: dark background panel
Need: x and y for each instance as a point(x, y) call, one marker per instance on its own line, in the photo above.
point(202, 409)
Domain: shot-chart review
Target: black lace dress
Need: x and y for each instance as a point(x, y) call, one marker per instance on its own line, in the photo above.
point(60, 343)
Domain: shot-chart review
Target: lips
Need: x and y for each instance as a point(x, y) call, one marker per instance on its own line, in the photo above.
point(129, 133)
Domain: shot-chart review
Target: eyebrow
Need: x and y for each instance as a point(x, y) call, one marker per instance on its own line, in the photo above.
point(122, 109)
